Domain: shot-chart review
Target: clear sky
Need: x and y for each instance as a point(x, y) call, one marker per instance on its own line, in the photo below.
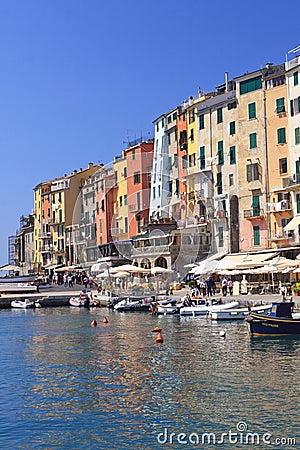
point(80, 77)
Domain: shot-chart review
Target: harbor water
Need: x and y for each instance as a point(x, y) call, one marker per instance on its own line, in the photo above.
point(67, 385)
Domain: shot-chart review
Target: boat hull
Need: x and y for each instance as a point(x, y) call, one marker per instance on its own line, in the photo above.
point(237, 314)
point(23, 304)
point(264, 326)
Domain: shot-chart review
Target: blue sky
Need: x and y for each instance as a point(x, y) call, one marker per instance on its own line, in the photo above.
point(80, 77)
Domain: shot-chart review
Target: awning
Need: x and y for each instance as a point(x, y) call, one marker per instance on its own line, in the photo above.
point(244, 261)
point(292, 224)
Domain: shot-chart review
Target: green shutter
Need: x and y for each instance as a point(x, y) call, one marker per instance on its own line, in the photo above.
point(250, 85)
point(256, 235)
point(220, 152)
point(253, 140)
point(219, 115)
point(232, 128)
point(201, 122)
point(252, 111)
point(232, 155)
point(280, 105)
point(297, 136)
point(202, 157)
point(295, 78)
point(281, 139)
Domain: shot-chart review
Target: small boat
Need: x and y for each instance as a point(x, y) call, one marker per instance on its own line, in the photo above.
point(23, 304)
point(130, 304)
point(17, 288)
point(203, 309)
point(81, 301)
point(107, 298)
point(279, 321)
point(237, 313)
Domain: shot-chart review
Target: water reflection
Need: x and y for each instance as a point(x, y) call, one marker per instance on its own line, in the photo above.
point(112, 387)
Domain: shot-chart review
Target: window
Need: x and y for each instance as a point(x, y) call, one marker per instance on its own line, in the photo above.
point(192, 135)
point(158, 188)
point(221, 236)
point(201, 122)
point(49, 212)
point(232, 105)
point(202, 157)
point(192, 160)
point(253, 172)
point(174, 115)
point(232, 128)
point(220, 153)
point(175, 161)
point(153, 193)
point(280, 108)
point(298, 203)
point(252, 110)
point(281, 139)
point(100, 226)
point(169, 138)
point(297, 136)
point(184, 162)
point(283, 166)
point(121, 201)
point(136, 177)
point(256, 235)
point(192, 115)
point(138, 221)
point(138, 200)
point(133, 154)
point(126, 224)
point(253, 140)
point(125, 172)
point(125, 199)
point(255, 205)
point(219, 183)
point(231, 179)
point(250, 85)
point(295, 75)
point(232, 155)
point(169, 119)
point(219, 115)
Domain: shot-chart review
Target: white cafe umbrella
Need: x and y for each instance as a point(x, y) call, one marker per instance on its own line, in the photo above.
point(129, 268)
point(120, 274)
point(156, 270)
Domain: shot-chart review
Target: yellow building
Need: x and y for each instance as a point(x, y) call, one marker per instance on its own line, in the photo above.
point(62, 195)
point(278, 207)
point(120, 225)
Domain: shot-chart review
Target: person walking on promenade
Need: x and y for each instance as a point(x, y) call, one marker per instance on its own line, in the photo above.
point(224, 287)
point(230, 286)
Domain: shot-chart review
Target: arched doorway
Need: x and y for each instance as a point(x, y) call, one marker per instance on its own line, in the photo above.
point(145, 263)
point(161, 262)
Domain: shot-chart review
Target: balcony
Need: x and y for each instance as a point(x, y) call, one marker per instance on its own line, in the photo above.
point(254, 213)
point(291, 181)
point(45, 235)
point(283, 205)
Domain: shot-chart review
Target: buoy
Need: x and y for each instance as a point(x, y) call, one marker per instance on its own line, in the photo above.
point(94, 323)
point(222, 333)
point(156, 330)
point(105, 320)
point(159, 338)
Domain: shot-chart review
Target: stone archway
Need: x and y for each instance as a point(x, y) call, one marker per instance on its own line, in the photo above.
point(161, 262)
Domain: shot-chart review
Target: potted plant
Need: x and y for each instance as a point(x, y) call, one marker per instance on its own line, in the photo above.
point(296, 288)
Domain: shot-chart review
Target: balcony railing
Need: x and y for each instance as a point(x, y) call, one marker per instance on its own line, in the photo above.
point(291, 181)
point(283, 205)
point(254, 213)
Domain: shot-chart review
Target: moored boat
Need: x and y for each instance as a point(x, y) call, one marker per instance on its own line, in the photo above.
point(206, 308)
point(236, 313)
point(107, 298)
point(23, 304)
point(280, 321)
point(130, 304)
point(82, 301)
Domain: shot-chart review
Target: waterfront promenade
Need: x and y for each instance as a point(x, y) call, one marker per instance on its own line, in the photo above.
point(55, 295)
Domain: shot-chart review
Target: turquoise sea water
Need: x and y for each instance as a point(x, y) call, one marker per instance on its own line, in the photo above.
point(66, 385)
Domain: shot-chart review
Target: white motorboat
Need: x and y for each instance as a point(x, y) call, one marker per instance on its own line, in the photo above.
point(205, 309)
point(23, 304)
point(237, 313)
point(17, 288)
point(107, 298)
point(131, 304)
point(81, 301)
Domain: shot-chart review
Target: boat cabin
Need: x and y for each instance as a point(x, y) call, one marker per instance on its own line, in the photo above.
point(282, 309)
